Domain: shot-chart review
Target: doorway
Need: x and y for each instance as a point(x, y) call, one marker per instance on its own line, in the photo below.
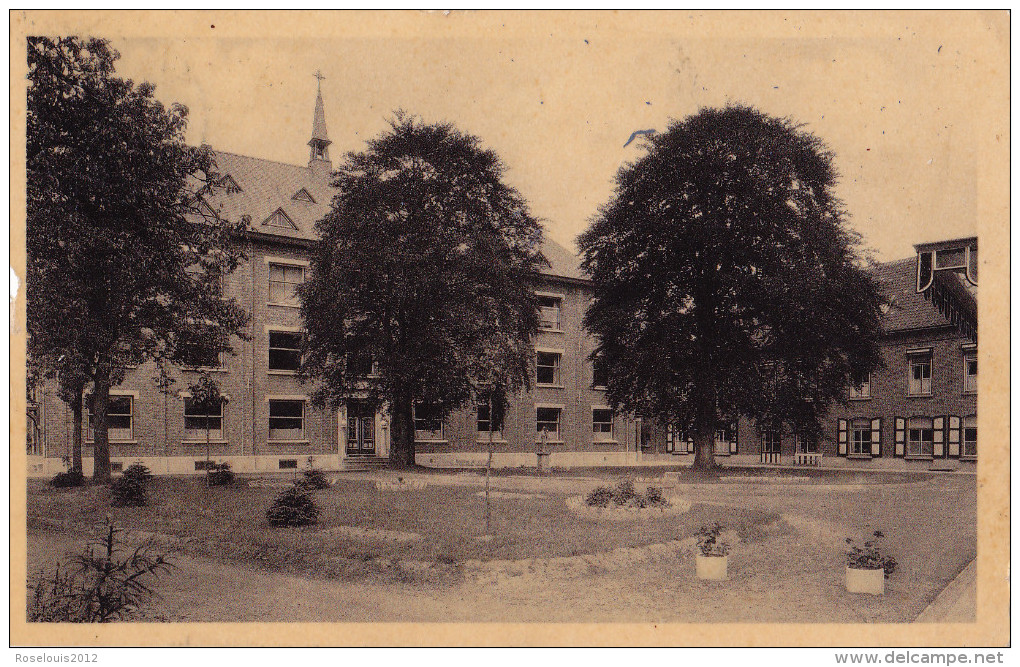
point(360, 429)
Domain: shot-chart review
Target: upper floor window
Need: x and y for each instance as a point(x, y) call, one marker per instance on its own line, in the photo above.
point(284, 351)
point(119, 418)
point(428, 422)
point(970, 373)
point(860, 386)
point(919, 378)
point(602, 424)
point(284, 280)
point(548, 368)
point(360, 365)
point(599, 374)
point(549, 312)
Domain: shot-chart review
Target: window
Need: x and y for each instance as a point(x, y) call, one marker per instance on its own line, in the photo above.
point(119, 418)
point(229, 184)
point(920, 374)
point(196, 355)
point(484, 422)
point(360, 365)
point(970, 435)
point(807, 443)
point(286, 420)
point(860, 386)
point(548, 368)
point(303, 195)
point(771, 442)
point(280, 219)
point(970, 373)
point(860, 437)
point(599, 374)
point(283, 283)
point(287, 464)
point(284, 351)
point(549, 312)
point(920, 436)
point(195, 421)
point(548, 420)
point(602, 425)
point(428, 422)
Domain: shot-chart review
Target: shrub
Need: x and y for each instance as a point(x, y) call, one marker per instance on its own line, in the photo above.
point(106, 584)
point(624, 492)
point(599, 497)
point(221, 475)
point(870, 557)
point(293, 507)
point(138, 472)
point(708, 541)
point(65, 480)
point(654, 497)
point(315, 479)
point(129, 491)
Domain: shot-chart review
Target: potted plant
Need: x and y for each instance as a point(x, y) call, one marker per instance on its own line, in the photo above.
point(867, 567)
point(711, 562)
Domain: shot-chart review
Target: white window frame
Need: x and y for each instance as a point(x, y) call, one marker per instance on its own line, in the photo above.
point(599, 434)
point(558, 324)
point(918, 359)
point(861, 391)
point(133, 400)
point(557, 368)
point(554, 436)
point(427, 435)
point(860, 437)
point(285, 263)
point(919, 441)
point(970, 381)
point(303, 400)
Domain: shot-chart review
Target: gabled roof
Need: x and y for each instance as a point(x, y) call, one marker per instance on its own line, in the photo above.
point(562, 262)
point(909, 310)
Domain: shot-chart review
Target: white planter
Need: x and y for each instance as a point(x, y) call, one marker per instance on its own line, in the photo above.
point(865, 581)
point(711, 567)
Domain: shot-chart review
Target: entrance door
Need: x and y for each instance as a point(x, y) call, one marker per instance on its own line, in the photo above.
point(771, 443)
point(360, 429)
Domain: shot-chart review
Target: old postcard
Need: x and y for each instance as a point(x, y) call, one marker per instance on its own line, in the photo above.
point(510, 328)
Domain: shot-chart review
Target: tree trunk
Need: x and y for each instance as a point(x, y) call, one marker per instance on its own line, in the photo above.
point(100, 427)
point(705, 419)
point(78, 412)
point(402, 432)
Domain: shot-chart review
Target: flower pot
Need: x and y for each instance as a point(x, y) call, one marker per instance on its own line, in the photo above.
point(711, 567)
point(865, 581)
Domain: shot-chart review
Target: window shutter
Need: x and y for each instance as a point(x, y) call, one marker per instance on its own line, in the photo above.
point(733, 442)
point(841, 426)
point(901, 436)
point(876, 437)
point(938, 436)
point(954, 436)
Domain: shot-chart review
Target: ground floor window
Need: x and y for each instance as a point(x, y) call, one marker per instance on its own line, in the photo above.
point(726, 439)
point(860, 437)
point(920, 436)
point(428, 422)
point(770, 442)
point(119, 418)
point(602, 425)
point(970, 435)
point(807, 444)
point(196, 421)
point(548, 420)
point(485, 424)
point(286, 420)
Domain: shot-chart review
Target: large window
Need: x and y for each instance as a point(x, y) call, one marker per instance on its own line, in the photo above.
point(549, 312)
point(196, 420)
point(428, 422)
point(970, 373)
point(548, 368)
point(119, 418)
point(548, 420)
point(485, 424)
point(286, 420)
point(599, 374)
point(196, 355)
point(771, 441)
point(860, 437)
point(284, 351)
point(284, 280)
point(860, 386)
point(920, 436)
point(920, 374)
point(970, 435)
point(602, 424)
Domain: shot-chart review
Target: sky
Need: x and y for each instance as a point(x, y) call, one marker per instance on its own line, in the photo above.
point(897, 100)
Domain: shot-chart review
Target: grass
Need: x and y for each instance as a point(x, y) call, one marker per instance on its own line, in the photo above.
point(229, 523)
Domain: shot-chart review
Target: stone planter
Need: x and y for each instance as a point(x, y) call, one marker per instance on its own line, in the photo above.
point(711, 567)
point(865, 581)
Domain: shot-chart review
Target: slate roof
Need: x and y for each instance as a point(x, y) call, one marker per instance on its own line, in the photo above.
point(909, 309)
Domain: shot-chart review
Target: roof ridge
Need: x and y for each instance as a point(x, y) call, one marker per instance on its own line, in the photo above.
point(262, 159)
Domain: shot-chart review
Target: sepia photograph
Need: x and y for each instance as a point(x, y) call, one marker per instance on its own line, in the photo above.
point(515, 328)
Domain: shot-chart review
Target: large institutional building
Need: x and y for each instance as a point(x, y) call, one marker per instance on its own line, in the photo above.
point(919, 411)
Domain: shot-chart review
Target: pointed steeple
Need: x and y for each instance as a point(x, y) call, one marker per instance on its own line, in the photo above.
point(320, 139)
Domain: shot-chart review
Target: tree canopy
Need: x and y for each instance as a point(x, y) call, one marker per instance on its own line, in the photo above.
point(123, 264)
point(421, 286)
point(726, 281)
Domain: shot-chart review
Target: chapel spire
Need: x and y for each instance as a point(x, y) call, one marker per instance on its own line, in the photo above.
point(319, 143)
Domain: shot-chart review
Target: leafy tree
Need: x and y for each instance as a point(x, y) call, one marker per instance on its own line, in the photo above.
point(124, 261)
point(726, 281)
point(207, 400)
point(425, 267)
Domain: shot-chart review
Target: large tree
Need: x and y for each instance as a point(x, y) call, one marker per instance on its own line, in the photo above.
point(726, 280)
point(124, 263)
point(423, 274)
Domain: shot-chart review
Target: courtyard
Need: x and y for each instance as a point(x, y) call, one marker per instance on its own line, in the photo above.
point(409, 547)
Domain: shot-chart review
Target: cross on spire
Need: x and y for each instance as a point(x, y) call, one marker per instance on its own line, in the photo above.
point(319, 77)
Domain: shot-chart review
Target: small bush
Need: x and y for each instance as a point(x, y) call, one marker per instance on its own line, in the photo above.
point(870, 557)
point(129, 491)
point(315, 479)
point(654, 497)
point(139, 472)
point(221, 475)
point(599, 497)
point(107, 584)
point(66, 480)
point(293, 507)
point(708, 541)
point(624, 492)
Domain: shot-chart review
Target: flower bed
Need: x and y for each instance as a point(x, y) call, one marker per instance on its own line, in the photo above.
point(673, 506)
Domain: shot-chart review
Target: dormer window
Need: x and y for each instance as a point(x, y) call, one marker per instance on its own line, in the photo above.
point(303, 195)
point(279, 219)
point(229, 184)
